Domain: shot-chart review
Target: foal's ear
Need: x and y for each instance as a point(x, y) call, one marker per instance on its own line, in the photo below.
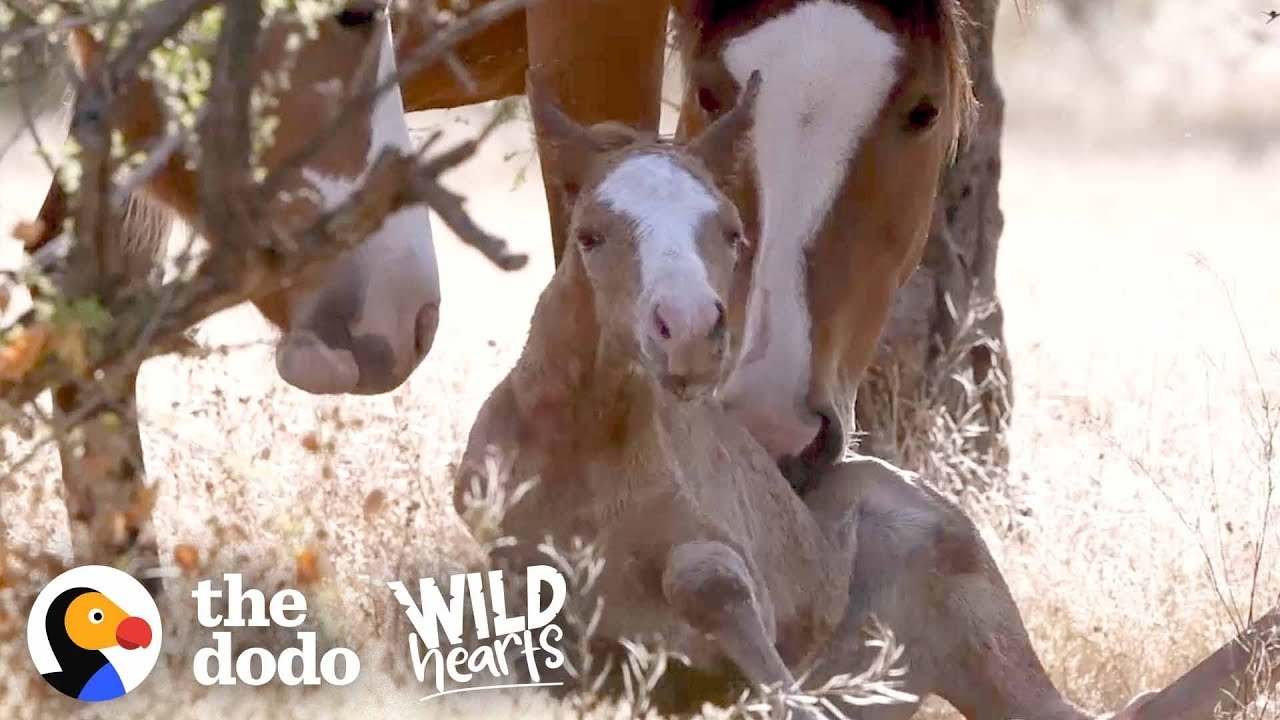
point(571, 144)
point(722, 145)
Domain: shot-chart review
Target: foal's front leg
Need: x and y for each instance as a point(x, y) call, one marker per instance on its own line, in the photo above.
point(708, 585)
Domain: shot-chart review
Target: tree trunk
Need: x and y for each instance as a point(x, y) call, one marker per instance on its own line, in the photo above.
point(942, 382)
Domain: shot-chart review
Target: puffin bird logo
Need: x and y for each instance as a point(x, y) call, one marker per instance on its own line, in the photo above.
point(94, 633)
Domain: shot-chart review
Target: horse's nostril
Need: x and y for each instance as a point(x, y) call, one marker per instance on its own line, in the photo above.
point(425, 326)
point(826, 449)
point(717, 330)
point(660, 324)
point(828, 446)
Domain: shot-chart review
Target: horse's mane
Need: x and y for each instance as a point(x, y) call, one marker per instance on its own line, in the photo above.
point(145, 229)
point(943, 21)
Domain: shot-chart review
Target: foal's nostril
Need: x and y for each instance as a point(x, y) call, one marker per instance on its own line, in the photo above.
point(424, 329)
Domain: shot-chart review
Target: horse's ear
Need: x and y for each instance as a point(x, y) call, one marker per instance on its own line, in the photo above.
point(86, 53)
point(572, 145)
point(722, 145)
point(138, 115)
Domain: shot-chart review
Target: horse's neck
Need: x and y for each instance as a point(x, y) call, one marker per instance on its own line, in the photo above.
point(571, 377)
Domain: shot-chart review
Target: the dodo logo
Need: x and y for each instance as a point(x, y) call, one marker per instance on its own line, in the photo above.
point(94, 633)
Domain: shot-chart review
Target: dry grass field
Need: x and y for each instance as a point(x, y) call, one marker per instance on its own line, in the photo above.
point(1138, 272)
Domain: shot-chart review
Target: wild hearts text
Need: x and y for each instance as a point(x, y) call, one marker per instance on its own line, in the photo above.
point(438, 625)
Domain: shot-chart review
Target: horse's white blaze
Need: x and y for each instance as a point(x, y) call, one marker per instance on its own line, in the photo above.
point(394, 270)
point(827, 71)
point(667, 205)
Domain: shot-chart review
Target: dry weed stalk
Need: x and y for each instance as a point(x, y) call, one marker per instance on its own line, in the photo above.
point(942, 424)
point(488, 498)
point(878, 684)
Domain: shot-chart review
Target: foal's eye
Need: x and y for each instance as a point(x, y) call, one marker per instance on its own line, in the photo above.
point(922, 116)
point(733, 238)
point(589, 240)
point(357, 17)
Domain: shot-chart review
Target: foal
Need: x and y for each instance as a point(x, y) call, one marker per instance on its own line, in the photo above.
point(704, 541)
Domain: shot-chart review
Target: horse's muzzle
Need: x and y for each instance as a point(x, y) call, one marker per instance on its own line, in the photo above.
point(368, 364)
point(826, 449)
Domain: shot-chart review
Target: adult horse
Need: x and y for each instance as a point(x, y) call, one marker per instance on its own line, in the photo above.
point(854, 133)
point(360, 325)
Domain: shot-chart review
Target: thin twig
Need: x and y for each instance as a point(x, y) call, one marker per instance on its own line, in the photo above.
point(225, 135)
point(431, 52)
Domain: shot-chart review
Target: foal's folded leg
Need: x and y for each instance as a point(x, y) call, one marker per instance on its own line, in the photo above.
point(708, 585)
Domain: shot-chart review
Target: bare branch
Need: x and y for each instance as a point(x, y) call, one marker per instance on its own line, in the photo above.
point(152, 321)
point(431, 52)
point(236, 273)
point(225, 140)
point(449, 205)
point(159, 22)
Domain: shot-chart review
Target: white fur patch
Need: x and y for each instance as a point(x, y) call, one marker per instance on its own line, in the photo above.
point(667, 204)
point(827, 71)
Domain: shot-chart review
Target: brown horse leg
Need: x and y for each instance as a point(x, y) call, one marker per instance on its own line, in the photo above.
point(108, 504)
point(603, 60)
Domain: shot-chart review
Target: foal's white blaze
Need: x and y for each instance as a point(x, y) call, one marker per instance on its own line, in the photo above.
point(667, 206)
point(391, 278)
point(827, 72)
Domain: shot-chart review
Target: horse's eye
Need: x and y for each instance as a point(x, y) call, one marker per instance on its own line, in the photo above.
point(922, 116)
point(733, 238)
point(589, 240)
point(357, 17)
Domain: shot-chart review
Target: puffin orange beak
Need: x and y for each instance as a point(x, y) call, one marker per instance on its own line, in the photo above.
point(133, 633)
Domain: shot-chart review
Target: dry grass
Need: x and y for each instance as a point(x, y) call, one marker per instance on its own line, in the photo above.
point(1139, 290)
